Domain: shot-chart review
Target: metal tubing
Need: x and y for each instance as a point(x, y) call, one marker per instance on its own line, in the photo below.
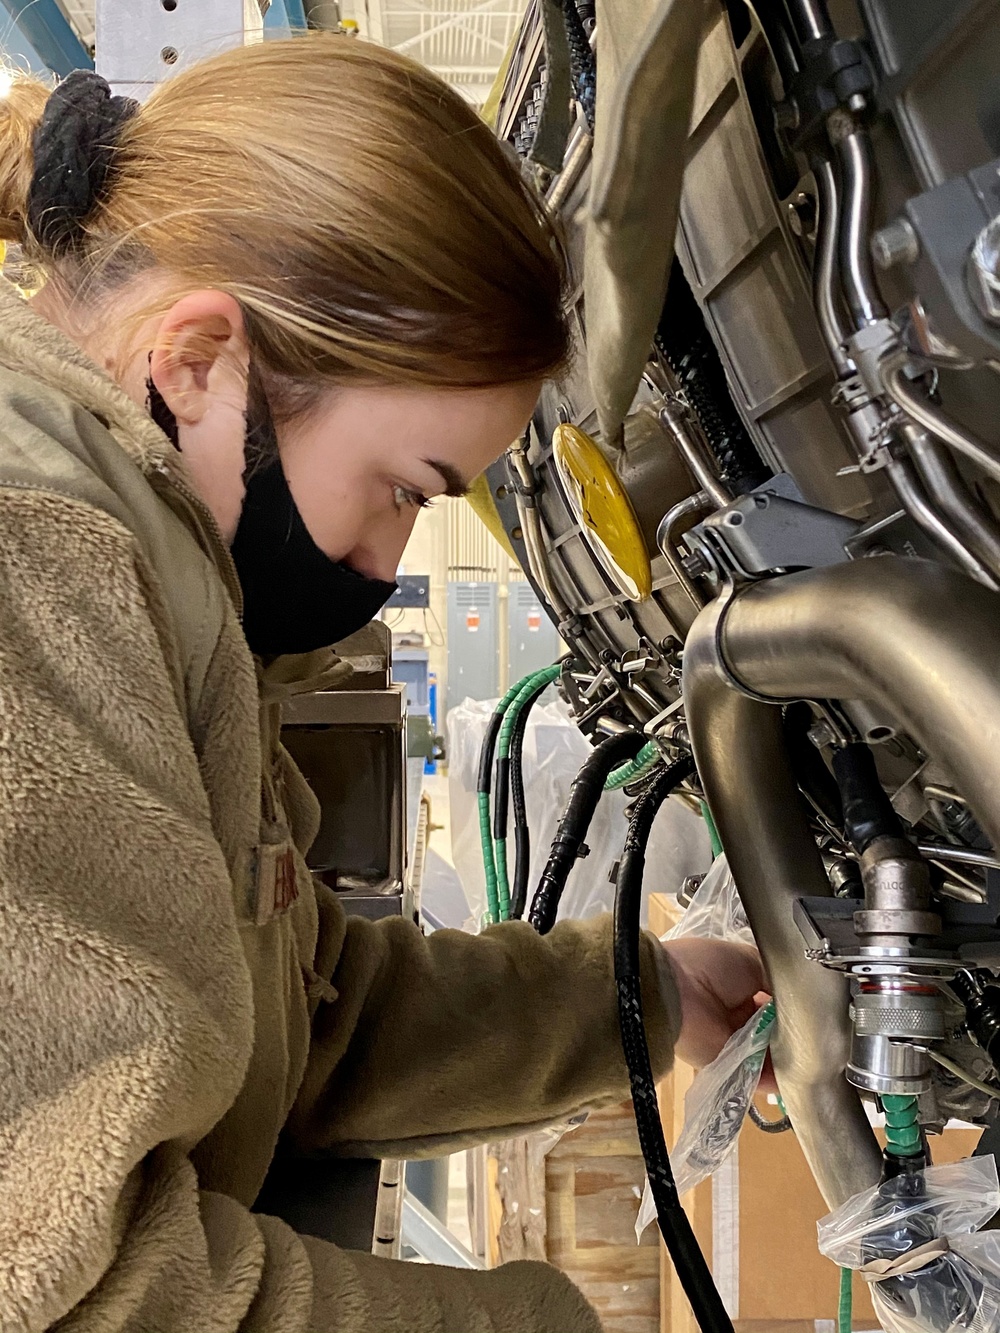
point(826, 297)
point(915, 502)
point(963, 856)
point(811, 19)
point(665, 541)
point(928, 415)
point(856, 274)
point(686, 435)
point(577, 157)
point(740, 750)
point(910, 637)
point(947, 490)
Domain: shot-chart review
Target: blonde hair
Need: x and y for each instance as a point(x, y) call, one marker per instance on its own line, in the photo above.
point(366, 219)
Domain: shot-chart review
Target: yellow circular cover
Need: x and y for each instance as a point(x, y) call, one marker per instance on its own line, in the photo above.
point(603, 510)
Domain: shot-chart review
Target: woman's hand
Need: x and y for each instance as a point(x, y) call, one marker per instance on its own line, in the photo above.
point(721, 984)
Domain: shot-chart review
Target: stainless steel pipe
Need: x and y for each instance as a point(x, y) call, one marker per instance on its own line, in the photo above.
point(740, 750)
point(910, 637)
point(919, 641)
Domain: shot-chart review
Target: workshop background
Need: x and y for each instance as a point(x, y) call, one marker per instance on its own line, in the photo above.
point(464, 626)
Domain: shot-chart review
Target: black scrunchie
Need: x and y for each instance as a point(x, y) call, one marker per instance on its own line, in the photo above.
point(74, 148)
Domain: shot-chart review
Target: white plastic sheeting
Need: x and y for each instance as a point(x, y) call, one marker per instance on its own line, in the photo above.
point(554, 752)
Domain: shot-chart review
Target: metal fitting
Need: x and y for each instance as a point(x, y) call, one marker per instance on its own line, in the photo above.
point(984, 271)
point(895, 243)
point(898, 901)
point(887, 1067)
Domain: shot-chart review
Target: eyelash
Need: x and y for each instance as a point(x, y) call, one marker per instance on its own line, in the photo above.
point(401, 496)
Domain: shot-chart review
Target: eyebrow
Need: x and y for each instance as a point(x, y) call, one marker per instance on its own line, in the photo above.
point(455, 483)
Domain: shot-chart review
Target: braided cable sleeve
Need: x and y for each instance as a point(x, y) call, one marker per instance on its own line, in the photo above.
point(584, 795)
point(522, 836)
point(678, 1235)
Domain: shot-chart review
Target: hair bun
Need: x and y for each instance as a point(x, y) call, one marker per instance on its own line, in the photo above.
point(73, 149)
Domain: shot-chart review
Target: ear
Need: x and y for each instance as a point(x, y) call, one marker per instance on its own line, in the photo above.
point(201, 356)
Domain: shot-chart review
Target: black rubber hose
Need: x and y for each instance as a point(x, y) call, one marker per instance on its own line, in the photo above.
point(678, 1236)
point(487, 751)
point(868, 812)
point(522, 835)
point(583, 798)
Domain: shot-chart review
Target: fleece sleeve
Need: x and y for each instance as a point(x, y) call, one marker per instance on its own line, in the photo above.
point(126, 1019)
point(450, 1039)
point(125, 1004)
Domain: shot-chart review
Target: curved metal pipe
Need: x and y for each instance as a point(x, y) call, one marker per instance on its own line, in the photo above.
point(825, 261)
point(911, 637)
point(856, 274)
point(811, 19)
point(740, 750)
point(685, 433)
point(947, 490)
point(694, 504)
point(928, 415)
point(914, 500)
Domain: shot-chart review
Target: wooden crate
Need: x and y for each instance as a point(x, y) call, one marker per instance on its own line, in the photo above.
point(593, 1183)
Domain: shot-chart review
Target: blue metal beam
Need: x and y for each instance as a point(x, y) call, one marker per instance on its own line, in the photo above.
point(286, 17)
point(46, 29)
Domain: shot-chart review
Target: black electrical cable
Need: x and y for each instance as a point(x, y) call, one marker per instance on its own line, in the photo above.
point(487, 751)
point(868, 812)
point(522, 835)
point(678, 1236)
point(583, 798)
point(769, 1126)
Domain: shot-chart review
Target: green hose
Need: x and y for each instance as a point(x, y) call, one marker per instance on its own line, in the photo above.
point(845, 1311)
point(644, 763)
point(495, 855)
point(902, 1128)
point(713, 832)
point(485, 838)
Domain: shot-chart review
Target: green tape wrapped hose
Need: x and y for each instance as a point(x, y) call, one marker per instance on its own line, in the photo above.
point(644, 763)
point(902, 1126)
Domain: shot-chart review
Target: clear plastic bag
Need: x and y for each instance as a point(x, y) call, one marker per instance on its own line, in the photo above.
point(917, 1240)
point(714, 1109)
point(715, 912)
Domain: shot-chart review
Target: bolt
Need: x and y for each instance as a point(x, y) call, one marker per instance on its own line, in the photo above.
point(695, 565)
point(895, 243)
point(857, 102)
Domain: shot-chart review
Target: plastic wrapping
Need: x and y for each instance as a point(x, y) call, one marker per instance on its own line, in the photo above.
point(715, 1107)
point(554, 752)
point(927, 1222)
point(715, 912)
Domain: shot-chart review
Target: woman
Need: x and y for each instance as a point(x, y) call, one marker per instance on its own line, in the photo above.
point(287, 302)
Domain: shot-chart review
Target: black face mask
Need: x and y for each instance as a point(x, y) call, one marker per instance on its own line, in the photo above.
point(295, 598)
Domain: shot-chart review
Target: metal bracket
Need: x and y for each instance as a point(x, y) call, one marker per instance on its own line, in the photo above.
point(771, 529)
point(145, 42)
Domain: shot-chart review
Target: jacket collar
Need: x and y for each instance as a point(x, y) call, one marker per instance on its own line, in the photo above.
point(32, 346)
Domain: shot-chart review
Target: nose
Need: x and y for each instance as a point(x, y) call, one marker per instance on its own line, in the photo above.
point(378, 553)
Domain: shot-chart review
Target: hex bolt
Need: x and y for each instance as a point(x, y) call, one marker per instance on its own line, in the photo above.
point(895, 243)
point(695, 565)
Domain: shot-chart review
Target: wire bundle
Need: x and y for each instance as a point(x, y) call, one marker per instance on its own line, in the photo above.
point(507, 723)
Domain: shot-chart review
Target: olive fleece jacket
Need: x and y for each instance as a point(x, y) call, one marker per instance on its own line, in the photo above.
point(176, 991)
